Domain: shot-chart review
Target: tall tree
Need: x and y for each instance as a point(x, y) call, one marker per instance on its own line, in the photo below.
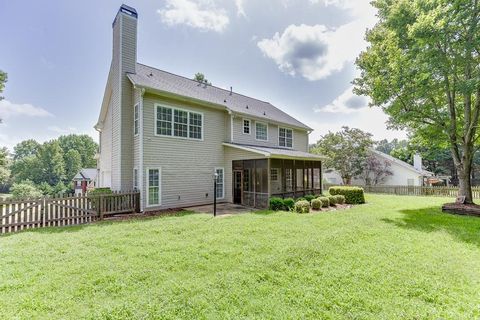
point(200, 77)
point(3, 80)
point(73, 163)
point(421, 67)
point(347, 151)
point(25, 148)
point(375, 170)
point(85, 146)
point(51, 162)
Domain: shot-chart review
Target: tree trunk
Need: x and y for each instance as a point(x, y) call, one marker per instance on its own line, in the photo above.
point(464, 180)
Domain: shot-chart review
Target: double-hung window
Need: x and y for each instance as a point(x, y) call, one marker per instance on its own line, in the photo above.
point(261, 131)
point(246, 126)
point(153, 176)
point(220, 182)
point(179, 123)
point(136, 119)
point(285, 137)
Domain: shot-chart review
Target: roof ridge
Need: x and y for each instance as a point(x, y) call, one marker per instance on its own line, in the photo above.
point(211, 85)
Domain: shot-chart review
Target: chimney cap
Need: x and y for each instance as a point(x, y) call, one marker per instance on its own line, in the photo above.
point(128, 10)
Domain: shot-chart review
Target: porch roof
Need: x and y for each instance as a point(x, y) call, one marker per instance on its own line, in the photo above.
point(276, 153)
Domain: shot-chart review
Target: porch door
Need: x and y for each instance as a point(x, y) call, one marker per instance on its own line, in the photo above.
point(237, 187)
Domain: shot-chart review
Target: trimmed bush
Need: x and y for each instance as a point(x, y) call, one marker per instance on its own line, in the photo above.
point(325, 201)
point(309, 197)
point(300, 199)
point(340, 199)
point(288, 204)
point(25, 190)
point(276, 204)
point(333, 200)
point(316, 204)
point(302, 206)
point(353, 195)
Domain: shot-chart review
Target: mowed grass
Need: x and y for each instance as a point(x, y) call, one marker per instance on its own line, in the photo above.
point(392, 258)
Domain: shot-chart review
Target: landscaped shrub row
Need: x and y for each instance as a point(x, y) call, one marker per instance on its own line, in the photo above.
point(353, 195)
point(299, 206)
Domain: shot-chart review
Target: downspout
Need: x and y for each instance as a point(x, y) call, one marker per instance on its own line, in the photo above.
point(231, 124)
point(141, 173)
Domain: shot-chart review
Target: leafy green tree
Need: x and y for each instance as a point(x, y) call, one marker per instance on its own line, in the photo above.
point(50, 157)
point(25, 148)
point(73, 163)
point(3, 80)
point(200, 77)
point(45, 189)
point(27, 168)
point(25, 189)
point(84, 144)
point(421, 68)
point(347, 151)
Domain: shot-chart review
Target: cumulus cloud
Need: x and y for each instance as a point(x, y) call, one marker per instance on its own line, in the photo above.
point(240, 8)
point(9, 109)
point(317, 51)
point(203, 15)
point(347, 102)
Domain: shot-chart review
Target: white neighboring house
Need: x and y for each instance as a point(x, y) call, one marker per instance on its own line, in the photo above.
point(84, 180)
point(404, 174)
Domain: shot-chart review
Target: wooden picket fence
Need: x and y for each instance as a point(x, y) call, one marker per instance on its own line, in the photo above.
point(17, 215)
point(439, 191)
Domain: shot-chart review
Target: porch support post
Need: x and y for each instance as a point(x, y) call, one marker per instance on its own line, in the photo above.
point(284, 179)
point(294, 179)
point(268, 178)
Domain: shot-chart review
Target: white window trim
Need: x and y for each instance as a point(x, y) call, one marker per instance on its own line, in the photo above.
point(249, 125)
point(264, 123)
point(159, 186)
point(223, 181)
point(136, 106)
point(156, 105)
point(285, 137)
point(136, 187)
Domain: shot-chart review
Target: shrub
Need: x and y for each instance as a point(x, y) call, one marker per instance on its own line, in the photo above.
point(288, 204)
point(98, 191)
point(309, 197)
point(340, 199)
point(353, 195)
point(276, 204)
point(325, 201)
point(45, 189)
point(302, 206)
point(300, 199)
point(333, 200)
point(316, 204)
point(25, 189)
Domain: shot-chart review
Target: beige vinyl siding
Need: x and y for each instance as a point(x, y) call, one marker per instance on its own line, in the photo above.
point(300, 137)
point(232, 154)
point(136, 138)
point(187, 165)
point(106, 150)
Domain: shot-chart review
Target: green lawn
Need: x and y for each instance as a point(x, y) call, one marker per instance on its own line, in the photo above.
point(394, 257)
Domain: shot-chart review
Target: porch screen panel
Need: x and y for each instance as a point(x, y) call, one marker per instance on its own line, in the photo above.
point(288, 164)
point(316, 177)
point(276, 176)
point(248, 180)
point(299, 175)
point(261, 183)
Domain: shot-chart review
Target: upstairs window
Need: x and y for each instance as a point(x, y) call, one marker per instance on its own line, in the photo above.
point(261, 131)
point(285, 137)
point(179, 123)
point(135, 119)
point(246, 126)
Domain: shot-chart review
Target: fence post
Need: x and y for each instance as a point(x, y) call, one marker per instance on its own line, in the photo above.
point(137, 202)
point(100, 207)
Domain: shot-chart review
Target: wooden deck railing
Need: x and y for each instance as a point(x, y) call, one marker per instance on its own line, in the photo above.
point(17, 215)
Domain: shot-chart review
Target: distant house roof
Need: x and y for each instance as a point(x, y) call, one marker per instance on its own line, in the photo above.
point(279, 153)
point(403, 163)
point(86, 174)
point(159, 80)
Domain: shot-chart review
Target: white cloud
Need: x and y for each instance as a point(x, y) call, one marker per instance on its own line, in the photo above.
point(60, 130)
point(240, 8)
point(9, 109)
point(203, 15)
point(317, 51)
point(347, 102)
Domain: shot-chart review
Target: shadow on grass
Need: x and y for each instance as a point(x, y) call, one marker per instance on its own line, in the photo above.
point(100, 224)
point(432, 219)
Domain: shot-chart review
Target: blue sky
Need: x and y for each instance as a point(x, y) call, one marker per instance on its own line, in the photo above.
point(297, 54)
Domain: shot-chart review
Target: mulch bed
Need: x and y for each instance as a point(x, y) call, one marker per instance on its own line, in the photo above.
point(337, 207)
point(462, 209)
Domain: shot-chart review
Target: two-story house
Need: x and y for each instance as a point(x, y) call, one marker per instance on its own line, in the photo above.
point(169, 136)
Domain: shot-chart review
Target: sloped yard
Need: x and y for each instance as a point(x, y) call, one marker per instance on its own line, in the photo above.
point(395, 257)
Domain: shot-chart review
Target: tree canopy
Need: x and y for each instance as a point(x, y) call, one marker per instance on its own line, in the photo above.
point(200, 77)
point(421, 68)
point(347, 151)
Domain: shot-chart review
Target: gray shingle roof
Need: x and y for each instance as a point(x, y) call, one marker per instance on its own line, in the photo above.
point(156, 79)
point(86, 173)
point(276, 152)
